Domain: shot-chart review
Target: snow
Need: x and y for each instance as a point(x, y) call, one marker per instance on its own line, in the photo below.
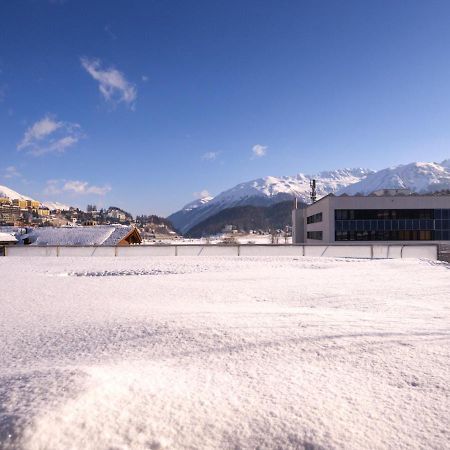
point(52, 206)
point(257, 239)
point(95, 235)
point(7, 192)
point(7, 237)
point(418, 177)
point(197, 203)
point(265, 191)
point(230, 353)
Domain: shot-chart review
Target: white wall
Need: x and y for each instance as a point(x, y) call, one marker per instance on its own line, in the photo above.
point(337, 251)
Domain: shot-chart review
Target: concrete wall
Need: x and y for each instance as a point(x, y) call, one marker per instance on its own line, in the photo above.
point(372, 251)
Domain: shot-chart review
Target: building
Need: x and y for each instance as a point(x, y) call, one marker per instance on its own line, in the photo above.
point(387, 215)
point(10, 214)
point(105, 235)
point(21, 203)
point(7, 239)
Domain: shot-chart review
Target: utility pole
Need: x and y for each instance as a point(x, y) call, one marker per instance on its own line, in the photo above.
point(313, 193)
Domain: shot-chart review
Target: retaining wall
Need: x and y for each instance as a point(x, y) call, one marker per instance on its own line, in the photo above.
point(370, 251)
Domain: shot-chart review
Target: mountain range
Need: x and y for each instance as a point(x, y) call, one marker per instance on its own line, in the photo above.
point(246, 218)
point(418, 177)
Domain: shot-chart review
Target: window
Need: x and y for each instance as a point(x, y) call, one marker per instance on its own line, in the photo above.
point(386, 214)
point(314, 218)
point(393, 235)
point(392, 224)
point(314, 235)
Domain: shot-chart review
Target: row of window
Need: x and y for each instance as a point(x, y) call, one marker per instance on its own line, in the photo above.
point(318, 235)
point(391, 214)
point(388, 225)
point(314, 218)
point(397, 235)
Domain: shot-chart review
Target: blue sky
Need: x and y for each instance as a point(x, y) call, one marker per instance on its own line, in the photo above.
point(145, 104)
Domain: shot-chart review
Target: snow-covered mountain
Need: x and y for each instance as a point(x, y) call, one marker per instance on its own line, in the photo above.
point(197, 203)
point(418, 177)
point(7, 192)
point(265, 191)
point(56, 205)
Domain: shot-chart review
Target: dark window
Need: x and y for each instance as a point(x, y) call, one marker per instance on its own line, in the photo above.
point(314, 218)
point(314, 235)
point(392, 224)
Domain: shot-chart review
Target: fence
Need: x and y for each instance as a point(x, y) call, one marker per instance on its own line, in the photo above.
point(368, 251)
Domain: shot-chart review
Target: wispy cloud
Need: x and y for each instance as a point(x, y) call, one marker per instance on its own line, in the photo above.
point(11, 172)
point(76, 187)
point(210, 156)
point(202, 194)
point(259, 151)
point(144, 78)
point(49, 135)
point(112, 84)
point(52, 187)
point(108, 30)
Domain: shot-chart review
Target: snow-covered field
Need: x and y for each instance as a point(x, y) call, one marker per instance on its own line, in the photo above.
point(224, 353)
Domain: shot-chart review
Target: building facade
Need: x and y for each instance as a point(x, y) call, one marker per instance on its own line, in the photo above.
point(383, 216)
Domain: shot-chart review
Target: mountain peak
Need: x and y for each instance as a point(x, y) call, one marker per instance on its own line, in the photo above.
point(7, 192)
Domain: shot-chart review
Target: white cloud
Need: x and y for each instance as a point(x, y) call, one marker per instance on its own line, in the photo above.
point(52, 187)
point(210, 156)
point(259, 150)
point(11, 172)
point(76, 187)
point(50, 136)
point(112, 84)
point(144, 78)
point(202, 194)
point(83, 187)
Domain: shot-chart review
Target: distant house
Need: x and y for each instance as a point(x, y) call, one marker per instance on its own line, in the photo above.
point(104, 235)
point(7, 239)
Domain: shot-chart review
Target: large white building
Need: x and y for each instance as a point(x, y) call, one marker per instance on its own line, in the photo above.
point(387, 215)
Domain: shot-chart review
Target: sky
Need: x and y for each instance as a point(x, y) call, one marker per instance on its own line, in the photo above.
point(148, 104)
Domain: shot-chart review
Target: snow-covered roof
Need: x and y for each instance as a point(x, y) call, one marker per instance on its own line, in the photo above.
point(7, 237)
point(77, 236)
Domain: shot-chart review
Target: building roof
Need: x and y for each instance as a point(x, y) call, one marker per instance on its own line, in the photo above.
point(78, 236)
point(7, 237)
point(389, 193)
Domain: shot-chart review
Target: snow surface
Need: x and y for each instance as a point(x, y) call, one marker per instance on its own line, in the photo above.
point(7, 237)
point(7, 192)
point(205, 353)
